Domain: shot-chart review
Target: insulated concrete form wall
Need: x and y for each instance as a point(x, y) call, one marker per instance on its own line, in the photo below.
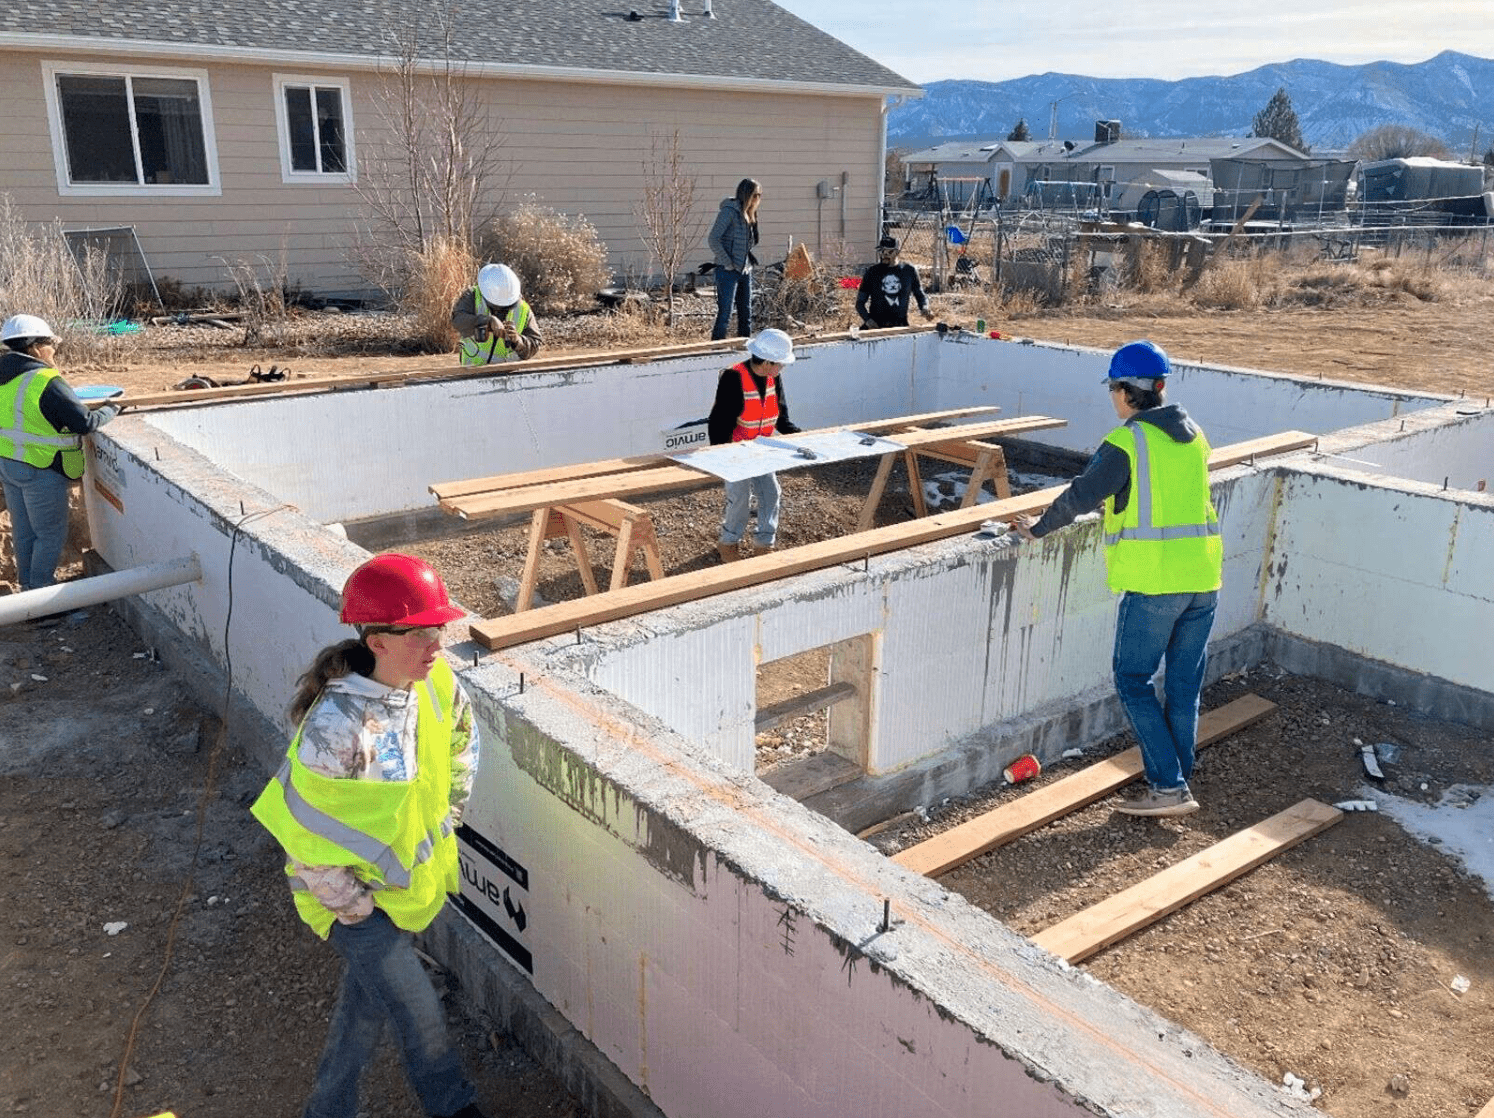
point(718, 942)
point(1451, 446)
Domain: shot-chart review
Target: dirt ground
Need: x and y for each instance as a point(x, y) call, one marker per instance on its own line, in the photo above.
point(1332, 962)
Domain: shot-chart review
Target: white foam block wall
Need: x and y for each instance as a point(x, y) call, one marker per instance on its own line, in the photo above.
point(1231, 405)
point(970, 634)
point(362, 453)
point(1400, 573)
point(1453, 444)
point(719, 943)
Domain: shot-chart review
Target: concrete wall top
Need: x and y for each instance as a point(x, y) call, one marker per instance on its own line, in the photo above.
point(1451, 445)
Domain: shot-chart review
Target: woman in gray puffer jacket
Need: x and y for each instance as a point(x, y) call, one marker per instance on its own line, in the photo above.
point(731, 241)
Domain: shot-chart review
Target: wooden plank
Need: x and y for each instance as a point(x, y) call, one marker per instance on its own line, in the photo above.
point(1130, 910)
point(1041, 806)
point(805, 776)
point(779, 713)
point(1263, 447)
point(563, 617)
point(667, 478)
point(451, 489)
point(1487, 1111)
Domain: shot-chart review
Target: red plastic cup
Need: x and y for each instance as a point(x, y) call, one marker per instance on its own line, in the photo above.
point(1023, 768)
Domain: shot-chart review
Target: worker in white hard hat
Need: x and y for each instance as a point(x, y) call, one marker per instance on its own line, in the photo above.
point(42, 424)
point(750, 404)
point(493, 320)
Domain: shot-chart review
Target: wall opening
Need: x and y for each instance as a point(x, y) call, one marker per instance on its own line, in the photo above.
point(813, 723)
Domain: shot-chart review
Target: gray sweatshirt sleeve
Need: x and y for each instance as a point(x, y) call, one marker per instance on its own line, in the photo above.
point(1108, 474)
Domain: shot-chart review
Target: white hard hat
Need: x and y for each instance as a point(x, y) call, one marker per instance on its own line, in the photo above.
point(25, 326)
point(498, 284)
point(772, 345)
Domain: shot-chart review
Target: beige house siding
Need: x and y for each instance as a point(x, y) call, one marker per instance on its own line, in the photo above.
point(577, 147)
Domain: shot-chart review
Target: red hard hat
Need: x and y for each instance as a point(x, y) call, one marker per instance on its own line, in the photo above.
point(394, 589)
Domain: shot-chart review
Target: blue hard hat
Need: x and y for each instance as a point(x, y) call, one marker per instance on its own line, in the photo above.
point(1141, 364)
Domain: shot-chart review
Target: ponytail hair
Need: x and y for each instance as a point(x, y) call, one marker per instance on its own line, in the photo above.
point(349, 657)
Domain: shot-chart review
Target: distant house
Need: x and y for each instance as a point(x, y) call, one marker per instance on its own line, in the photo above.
point(234, 130)
point(1123, 170)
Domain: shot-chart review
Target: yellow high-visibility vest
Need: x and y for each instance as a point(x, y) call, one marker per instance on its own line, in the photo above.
point(25, 434)
point(470, 351)
point(1167, 540)
point(395, 835)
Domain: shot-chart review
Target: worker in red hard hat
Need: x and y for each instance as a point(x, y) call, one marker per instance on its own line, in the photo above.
point(366, 806)
point(1163, 555)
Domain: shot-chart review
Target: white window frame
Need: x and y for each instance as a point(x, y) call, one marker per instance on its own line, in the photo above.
point(282, 126)
point(66, 187)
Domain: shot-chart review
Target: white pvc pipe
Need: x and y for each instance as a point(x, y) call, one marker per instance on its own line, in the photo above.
point(101, 588)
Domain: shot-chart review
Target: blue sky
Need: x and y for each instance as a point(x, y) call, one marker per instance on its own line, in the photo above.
point(993, 40)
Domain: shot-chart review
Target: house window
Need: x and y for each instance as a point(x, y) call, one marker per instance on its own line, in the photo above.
point(140, 131)
point(316, 142)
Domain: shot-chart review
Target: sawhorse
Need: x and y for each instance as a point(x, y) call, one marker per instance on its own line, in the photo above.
point(630, 525)
point(986, 462)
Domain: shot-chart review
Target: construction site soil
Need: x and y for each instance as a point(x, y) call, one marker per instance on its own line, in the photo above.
point(1333, 962)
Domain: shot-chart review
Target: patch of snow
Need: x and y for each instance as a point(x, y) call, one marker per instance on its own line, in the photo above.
point(1463, 819)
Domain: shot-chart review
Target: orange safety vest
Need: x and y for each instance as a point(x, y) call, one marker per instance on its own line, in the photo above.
point(759, 410)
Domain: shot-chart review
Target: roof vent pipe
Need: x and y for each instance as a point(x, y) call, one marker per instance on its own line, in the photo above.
point(708, 11)
point(675, 15)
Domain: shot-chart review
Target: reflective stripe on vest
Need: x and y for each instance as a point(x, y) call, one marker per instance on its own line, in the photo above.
point(1167, 538)
point(29, 437)
point(759, 411)
point(396, 837)
point(470, 351)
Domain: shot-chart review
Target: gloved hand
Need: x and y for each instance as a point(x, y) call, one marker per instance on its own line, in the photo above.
point(106, 413)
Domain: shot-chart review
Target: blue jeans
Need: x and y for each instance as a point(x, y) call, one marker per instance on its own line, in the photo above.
point(1149, 629)
point(37, 500)
point(384, 981)
point(734, 519)
point(732, 286)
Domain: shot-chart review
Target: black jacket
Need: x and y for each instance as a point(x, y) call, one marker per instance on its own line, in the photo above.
point(728, 406)
point(1109, 471)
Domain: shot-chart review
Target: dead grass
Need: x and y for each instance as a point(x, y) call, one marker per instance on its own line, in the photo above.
point(42, 277)
point(437, 278)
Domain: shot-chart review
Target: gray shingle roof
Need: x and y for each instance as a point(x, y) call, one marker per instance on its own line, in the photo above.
point(748, 38)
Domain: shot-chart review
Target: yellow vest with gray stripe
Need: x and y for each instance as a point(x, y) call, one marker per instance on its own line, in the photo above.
point(470, 351)
point(1166, 540)
point(25, 434)
point(395, 835)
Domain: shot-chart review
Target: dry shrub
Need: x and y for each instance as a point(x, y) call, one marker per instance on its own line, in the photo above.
point(264, 296)
point(560, 259)
point(1233, 285)
point(1146, 265)
point(435, 279)
point(42, 277)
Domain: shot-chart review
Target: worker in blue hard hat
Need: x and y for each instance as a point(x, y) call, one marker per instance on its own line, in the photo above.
point(1163, 555)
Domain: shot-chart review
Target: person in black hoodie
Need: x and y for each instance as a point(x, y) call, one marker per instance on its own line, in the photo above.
point(886, 289)
point(750, 403)
point(42, 457)
point(1163, 554)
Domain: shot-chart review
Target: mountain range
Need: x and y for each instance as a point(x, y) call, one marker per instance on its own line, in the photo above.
point(1450, 96)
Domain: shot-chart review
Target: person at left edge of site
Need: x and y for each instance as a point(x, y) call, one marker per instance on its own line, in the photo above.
point(494, 321)
point(1163, 554)
point(41, 454)
point(750, 403)
point(365, 806)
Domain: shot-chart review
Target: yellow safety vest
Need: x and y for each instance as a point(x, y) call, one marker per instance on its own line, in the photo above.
point(470, 351)
point(396, 836)
point(1167, 540)
point(25, 434)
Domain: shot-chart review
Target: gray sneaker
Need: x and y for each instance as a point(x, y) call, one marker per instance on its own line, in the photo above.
point(1173, 801)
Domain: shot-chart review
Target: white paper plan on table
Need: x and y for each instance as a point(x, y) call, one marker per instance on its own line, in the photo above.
point(755, 457)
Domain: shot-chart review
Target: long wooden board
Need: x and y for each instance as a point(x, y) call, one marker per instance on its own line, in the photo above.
point(1130, 910)
point(448, 490)
point(667, 478)
point(563, 617)
point(1041, 806)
